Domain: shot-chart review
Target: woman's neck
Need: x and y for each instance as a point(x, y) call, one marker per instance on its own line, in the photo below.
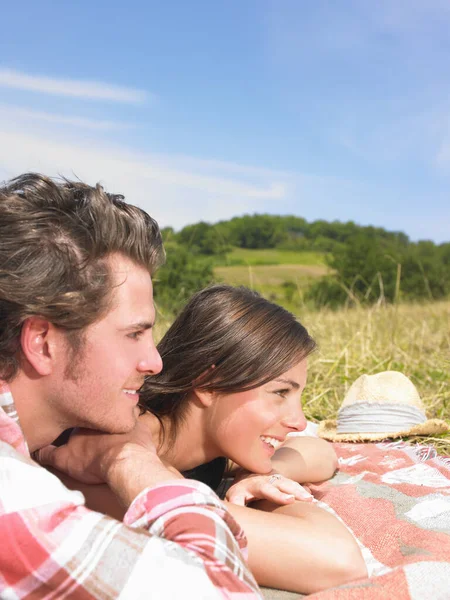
point(190, 447)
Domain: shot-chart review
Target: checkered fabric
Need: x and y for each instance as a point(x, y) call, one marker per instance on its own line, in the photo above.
point(176, 541)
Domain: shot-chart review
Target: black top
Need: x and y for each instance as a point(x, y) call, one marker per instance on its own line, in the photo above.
point(210, 473)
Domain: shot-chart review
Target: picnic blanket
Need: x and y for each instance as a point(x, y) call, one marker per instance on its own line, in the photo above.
point(395, 498)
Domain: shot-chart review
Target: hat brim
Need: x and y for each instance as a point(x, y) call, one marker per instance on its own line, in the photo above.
point(328, 431)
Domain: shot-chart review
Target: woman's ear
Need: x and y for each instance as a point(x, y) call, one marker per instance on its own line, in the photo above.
point(204, 397)
point(36, 341)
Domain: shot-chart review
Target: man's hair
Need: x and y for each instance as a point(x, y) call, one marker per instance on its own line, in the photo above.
point(55, 239)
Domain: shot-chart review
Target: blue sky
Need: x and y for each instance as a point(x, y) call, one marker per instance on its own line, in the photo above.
point(204, 110)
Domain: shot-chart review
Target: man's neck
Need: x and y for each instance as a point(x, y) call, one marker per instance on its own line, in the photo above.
point(38, 422)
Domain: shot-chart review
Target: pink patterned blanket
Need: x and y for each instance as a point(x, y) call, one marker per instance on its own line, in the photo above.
point(395, 498)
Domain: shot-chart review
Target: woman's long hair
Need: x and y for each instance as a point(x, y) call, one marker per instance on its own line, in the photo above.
point(227, 340)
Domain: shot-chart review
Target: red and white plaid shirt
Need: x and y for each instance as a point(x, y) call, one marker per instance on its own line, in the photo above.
point(176, 541)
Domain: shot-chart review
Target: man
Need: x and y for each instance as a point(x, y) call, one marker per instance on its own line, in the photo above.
point(76, 317)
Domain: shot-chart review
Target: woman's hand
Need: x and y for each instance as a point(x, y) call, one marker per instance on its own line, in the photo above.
point(274, 487)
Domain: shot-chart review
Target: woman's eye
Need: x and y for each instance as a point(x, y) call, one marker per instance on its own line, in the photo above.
point(282, 393)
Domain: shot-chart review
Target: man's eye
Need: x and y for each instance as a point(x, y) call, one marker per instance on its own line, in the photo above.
point(135, 335)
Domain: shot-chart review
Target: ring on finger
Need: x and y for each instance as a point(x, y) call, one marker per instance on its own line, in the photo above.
point(274, 477)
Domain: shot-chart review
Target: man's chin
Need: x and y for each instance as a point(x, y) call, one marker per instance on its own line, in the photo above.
point(122, 424)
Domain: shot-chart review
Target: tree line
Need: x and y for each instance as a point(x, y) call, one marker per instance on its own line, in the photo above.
point(368, 264)
point(368, 269)
point(272, 231)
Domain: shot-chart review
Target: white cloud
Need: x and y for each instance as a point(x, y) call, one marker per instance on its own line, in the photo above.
point(442, 157)
point(12, 113)
point(175, 190)
point(406, 17)
point(409, 136)
point(411, 26)
point(90, 90)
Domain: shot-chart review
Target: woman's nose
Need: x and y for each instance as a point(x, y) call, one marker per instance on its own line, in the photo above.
point(296, 420)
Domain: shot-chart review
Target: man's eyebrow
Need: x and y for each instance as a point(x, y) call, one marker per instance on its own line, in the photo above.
point(139, 326)
point(290, 382)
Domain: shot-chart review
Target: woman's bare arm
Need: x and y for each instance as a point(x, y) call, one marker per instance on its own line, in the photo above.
point(305, 459)
point(298, 547)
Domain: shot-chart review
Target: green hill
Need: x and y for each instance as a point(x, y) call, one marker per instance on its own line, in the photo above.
point(273, 256)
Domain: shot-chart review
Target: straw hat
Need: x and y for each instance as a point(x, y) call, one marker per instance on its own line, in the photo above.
point(381, 406)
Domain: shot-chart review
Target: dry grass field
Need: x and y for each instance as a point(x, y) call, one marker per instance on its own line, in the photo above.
point(413, 339)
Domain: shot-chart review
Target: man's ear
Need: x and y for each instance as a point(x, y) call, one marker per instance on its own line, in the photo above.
point(204, 397)
point(37, 341)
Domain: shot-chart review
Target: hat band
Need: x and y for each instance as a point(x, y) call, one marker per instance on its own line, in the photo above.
point(369, 417)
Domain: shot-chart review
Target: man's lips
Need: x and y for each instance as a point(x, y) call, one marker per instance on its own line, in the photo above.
point(132, 394)
point(133, 388)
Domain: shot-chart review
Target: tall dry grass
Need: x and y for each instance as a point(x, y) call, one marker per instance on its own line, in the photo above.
point(413, 339)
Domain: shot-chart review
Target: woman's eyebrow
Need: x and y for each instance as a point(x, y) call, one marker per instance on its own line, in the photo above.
point(293, 384)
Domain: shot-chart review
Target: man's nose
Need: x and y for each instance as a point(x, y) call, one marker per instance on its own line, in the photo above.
point(152, 363)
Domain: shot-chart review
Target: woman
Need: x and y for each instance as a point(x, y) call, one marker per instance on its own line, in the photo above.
point(234, 367)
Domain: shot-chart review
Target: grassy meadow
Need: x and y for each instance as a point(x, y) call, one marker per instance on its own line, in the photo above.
point(411, 338)
point(280, 275)
point(273, 256)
